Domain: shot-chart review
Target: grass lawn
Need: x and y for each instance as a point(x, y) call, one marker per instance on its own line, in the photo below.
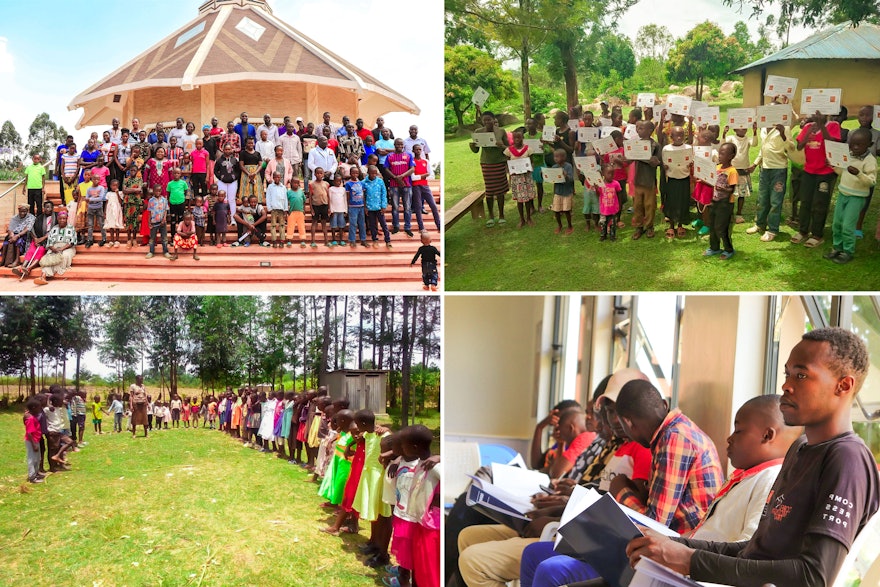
point(536, 259)
point(182, 507)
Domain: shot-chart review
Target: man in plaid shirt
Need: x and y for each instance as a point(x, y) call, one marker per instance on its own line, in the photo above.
point(685, 470)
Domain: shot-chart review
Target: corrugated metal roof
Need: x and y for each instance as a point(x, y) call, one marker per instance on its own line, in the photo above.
point(842, 41)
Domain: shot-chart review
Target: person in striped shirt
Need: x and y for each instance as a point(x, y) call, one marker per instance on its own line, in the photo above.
point(685, 470)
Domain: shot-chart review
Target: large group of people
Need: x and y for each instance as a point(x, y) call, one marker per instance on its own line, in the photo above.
point(365, 471)
point(804, 483)
point(686, 201)
point(187, 191)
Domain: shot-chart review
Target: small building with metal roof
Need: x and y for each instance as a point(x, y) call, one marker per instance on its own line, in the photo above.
point(842, 56)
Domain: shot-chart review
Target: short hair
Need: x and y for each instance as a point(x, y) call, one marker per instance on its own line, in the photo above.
point(32, 404)
point(563, 114)
point(860, 132)
point(767, 405)
point(848, 354)
point(488, 113)
point(569, 413)
point(616, 133)
point(365, 417)
point(567, 403)
point(640, 399)
point(419, 435)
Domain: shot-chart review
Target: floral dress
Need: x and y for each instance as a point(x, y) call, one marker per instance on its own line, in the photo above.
point(133, 204)
point(522, 187)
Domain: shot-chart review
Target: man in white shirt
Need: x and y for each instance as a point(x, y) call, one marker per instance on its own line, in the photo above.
point(322, 157)
point(178, 131)
point(271, 131)
point(292, 149)
point(414, 139)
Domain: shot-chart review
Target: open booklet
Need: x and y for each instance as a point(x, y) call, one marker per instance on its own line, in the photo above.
point(652, 574)
point(596, 529)
point(508, 497)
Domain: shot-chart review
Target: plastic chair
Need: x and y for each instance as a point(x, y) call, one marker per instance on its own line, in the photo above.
point(862, 565)
point(495, 453)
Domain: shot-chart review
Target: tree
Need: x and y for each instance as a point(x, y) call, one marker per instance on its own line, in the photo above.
point(615, 53)
point(10, 140)
point(467, 68)
point(751, 51)
point(122, 342)
point(815, 13)
point(77, 337)
point(704, 53)
point(654, 41)
point(44, 136)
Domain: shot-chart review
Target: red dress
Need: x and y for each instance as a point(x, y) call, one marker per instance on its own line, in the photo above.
point(354, 478)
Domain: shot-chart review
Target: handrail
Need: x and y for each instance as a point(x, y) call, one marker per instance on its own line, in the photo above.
point(20, 181)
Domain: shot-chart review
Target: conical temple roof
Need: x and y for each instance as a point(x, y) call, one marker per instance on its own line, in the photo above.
point(234, 41)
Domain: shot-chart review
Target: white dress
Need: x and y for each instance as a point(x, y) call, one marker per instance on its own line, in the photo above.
point(267, 422)
point(113, 214)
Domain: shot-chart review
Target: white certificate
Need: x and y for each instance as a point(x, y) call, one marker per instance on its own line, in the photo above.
point(521, 165)
point(552, 175)
point(876, 123)
point(593, 177)
point(549, 133)
point(574, 125)
point(778, 85)
point(584, 164)
point(837, 154)
point(697, 105)
point(480, 97)
point(587, 134)
point(703, 151)
point(676, 104)
point(741, 117)
point(677, 158)
point(704, 170)
point(708, 115)
point(604, 145)
point(606, 131)
point(825, 100)
point(484, 139)
point(645, 100)
point(774, 114)
point(535, 145)
point(637, 149)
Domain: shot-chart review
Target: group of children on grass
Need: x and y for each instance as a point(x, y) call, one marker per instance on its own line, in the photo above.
point(717, 205)
point(365, 471)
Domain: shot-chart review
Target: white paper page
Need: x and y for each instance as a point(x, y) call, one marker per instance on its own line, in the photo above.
point(837, 154)
point(480, 97)
point(774, 114)
point(580, 499)
point(709, 115)
point(637, 150)
point(587, 134)
point(604, 145)
point(741, 117)
point(778, 85)
point(517, 480)
point(519, 503)
point(535, 145)
point(825, 100)
point(552, 175)
point(517, 461)
point(876, 123)
point(519, 166)
point(645, 100)
point(485, 139)
point(549, 133)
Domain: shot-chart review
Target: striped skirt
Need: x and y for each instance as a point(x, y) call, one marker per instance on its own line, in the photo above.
point(495, 178)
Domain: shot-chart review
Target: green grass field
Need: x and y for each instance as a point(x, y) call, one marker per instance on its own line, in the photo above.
point(181, 507)
point(536, 259)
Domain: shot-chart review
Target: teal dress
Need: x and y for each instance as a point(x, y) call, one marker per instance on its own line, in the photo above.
point(286, 417)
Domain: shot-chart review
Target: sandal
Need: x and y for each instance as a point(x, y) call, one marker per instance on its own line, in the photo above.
point(813, 242)
point(670, 233)
point(490, 223)
point(681, 233)
point(502, 222)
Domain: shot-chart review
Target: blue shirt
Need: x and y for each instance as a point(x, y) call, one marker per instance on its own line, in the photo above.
point(367, 152)
point(276, 197)
point(251, 132)
point(355, 191)
point(387, 145)
point(376, 194)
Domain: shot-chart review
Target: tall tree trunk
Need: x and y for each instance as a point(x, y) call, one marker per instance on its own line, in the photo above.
point(361, 336)
point(33, 375)
point(325, 343)
point(426, 341)
point(524, 54)
point(406, 363)
point(335, 336)
point(344, 330)
point(392, 379)
point(381, 342)
point(373, 332)
point(305, 349)
point(566, 52)
point(78, 358)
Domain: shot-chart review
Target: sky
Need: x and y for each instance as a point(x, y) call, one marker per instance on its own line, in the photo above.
point(101, 41)
point(669, 13)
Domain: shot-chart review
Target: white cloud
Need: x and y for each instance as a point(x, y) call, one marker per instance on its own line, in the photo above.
point(7, 63)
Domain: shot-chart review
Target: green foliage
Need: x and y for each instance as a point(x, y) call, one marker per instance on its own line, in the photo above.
point(10, 140)
point(467, 68)
point(704, 53)
point(545, 98)
point(44, 136)
point(815, 13)
point(655, 42)
point(614, 53)
point(650, 75)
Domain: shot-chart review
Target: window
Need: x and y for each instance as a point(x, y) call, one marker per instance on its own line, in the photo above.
point(190, 34)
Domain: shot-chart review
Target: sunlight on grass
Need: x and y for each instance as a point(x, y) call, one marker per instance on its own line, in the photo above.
point(182, 507)
point(505, 258)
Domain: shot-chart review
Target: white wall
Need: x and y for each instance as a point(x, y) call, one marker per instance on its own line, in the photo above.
point(493, 355)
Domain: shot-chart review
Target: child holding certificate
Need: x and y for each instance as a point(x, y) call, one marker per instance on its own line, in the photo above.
point(521, 184)
point(563, 192)
point(721, 209)
point(856, 182)
point(741, 162)
point(537, 156)
point(818, 179)
point(702, 190)
point(494, 166)
point(677, 161)
point(609, 206)
point(618, 162)
point(866, 116)
point(645, 180)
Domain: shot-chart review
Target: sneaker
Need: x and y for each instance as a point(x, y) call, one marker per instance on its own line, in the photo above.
point(843, 258)
point(246, 243)
point(303, 245)
point(831, 254)
point(150, 255)
point(102, 243)
point(332, 243)
point(768, 236)
point(89, 244)
point(711, 252)
point(264, 244)
point(236, 244)
point(388, 245)
point(798, 238)
point(637, 234)
point(409, 233)
point(395, 230)
point(754, 229)
point(35, 480)
point(289, 244)
point(727, 255)
point(168, 256)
